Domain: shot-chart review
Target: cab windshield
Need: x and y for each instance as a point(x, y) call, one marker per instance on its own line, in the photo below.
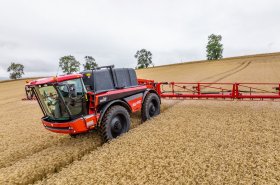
point(63, 100)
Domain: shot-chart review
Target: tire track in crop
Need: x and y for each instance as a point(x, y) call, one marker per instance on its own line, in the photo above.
point(18, 153)
point(52, 159)
point(19, 129)
point(23, 150)
point(194, 145)
point(49, 160)
point(225, 73)
point(233, 72)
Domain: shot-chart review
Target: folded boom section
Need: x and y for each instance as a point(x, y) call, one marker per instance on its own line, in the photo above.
point(226, 91)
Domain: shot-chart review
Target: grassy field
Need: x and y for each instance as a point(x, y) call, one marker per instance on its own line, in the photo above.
point(190, 142)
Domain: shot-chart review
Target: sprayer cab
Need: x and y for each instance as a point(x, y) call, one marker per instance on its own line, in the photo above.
point(61, 98)
point(99, 98)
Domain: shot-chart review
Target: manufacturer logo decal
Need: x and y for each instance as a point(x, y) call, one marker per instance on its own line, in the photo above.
point(103, 99)
point(136, 103)
point(88, 75)
point(90, 123)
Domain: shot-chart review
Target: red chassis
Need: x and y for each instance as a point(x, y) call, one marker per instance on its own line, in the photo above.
point(97, 105)
point(90, 121)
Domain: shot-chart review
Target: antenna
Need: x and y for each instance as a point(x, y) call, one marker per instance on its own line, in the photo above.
point(57, 71)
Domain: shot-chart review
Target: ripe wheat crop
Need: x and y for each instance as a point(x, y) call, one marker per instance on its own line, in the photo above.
point(190, 142)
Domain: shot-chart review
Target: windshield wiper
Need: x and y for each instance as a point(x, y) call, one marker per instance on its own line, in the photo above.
point(63, 101)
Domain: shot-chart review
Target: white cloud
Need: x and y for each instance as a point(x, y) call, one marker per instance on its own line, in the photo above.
point(38, 33)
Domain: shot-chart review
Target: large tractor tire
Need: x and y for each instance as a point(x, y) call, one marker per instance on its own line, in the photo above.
point(150, 107)
point(115, 122)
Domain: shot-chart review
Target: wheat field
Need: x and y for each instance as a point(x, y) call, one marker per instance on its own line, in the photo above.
point(191, 142)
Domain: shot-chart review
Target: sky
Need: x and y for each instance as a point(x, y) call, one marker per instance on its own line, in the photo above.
point(36, 33)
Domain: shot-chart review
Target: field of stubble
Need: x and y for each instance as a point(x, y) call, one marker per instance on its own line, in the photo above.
point(192, 142)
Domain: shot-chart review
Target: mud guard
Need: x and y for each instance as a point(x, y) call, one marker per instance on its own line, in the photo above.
point(151, 91)
point(107, 106)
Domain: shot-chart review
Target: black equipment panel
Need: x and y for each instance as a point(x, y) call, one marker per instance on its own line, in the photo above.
point(109, 79)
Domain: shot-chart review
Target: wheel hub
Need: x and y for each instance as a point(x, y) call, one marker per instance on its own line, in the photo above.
point(152, 109)
point(116, 125)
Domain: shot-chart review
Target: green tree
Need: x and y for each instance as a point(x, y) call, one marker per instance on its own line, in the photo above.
point(144, 58)
point(16, 71)
point(69, 64)
point(214, 47)
point(90, 63)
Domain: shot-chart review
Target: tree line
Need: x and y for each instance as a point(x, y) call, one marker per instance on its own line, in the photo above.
point(69, 64)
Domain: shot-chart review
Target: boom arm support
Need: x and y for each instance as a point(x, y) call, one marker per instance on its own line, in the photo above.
point(225, 91)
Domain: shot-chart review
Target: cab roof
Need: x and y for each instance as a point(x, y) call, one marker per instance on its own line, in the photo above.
point(55, 79)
